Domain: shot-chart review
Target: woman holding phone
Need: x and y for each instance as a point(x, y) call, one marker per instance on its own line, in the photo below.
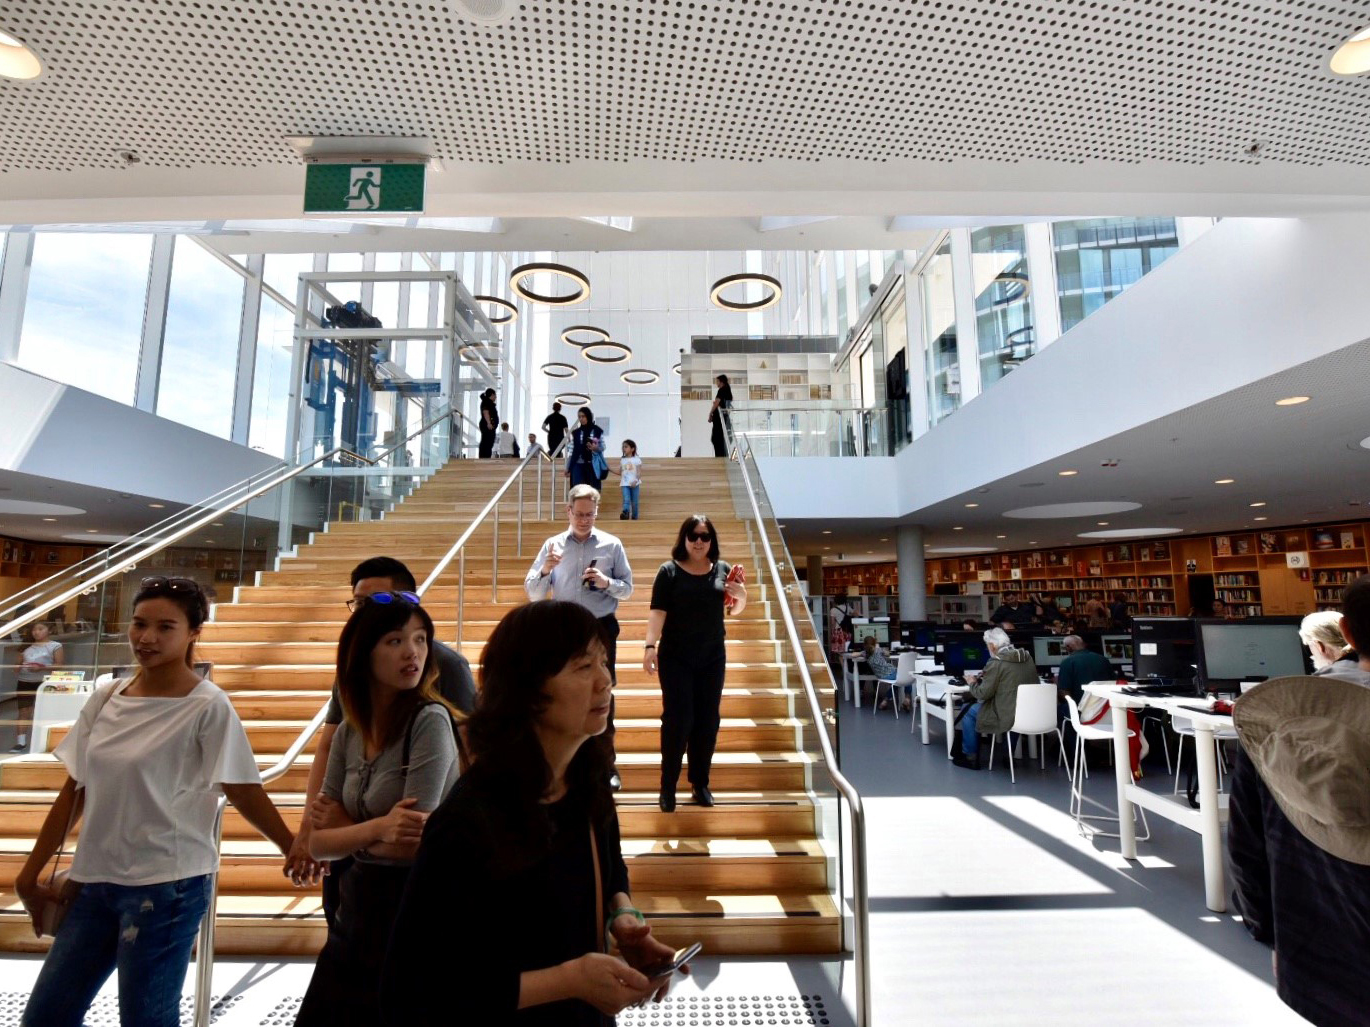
point(692, 594)
point(530, 828)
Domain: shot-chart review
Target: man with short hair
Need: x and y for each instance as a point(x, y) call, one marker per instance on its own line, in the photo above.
point(1298, 835)
point(455, 683)
point(1079, 668)
point(555, 426)
point(1013, 612)
point(585, 565)
point(995, 694)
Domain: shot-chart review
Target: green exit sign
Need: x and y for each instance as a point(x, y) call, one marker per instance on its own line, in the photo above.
point(363, 188)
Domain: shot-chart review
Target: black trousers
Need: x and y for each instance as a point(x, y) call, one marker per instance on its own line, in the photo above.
point(691, 693)
point(717, 437)
point(487, 444)
point(611, 629)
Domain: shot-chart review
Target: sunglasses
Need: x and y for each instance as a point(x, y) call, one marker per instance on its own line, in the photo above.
point(385, 599)
point(696, 536)
point(161, 583)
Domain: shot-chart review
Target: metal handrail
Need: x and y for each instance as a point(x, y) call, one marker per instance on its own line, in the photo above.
point(860, 887)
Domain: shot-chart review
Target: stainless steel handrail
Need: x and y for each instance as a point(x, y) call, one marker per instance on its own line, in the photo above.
point(860, 886)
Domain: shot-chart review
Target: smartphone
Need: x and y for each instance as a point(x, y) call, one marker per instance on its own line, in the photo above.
point(586, 583)
point(679, 959)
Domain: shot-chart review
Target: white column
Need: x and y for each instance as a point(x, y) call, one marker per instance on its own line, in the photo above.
point(247, 348)
point(916, 350)
point(1041, 261)
point(1189, 229)
point(967, 337)
point(14, 288)
point(154, 323)
point(913, 588)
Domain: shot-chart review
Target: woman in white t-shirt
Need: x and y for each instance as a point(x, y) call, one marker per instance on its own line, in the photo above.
point(146, 763)
point(38, 658)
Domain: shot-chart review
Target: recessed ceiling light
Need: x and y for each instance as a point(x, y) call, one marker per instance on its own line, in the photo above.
point(1001, 536)
point(1261, 503)
point(157, 506)
point(1291, 401)
point(958, 528)
point(1032, 543)
point(971, 506)
point(884, 540)
point(827, 531)
point(216, 524)
point(1067, 474)
point(92, 531)
point(1260, 518)
point(1102, 524)
point(49, 518)
point(1353, 56)
point(871, 551)
point(1224, 481)
point(826, 548)
point(17, 60)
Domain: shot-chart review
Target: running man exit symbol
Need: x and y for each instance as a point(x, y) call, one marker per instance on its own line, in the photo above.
point(363, 188)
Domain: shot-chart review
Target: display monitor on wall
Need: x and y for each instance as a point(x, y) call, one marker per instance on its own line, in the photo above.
point(1254, 649)
point(1118, 649)
point(963, 651)
point(1164, 647)
point(1048, 650)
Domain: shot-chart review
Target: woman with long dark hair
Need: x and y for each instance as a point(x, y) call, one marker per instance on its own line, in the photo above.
point(718, 415)
point(147, 762)
point(586, 440)
point(489, 424)
point(520, 886)
point(685, 646)
point(392, 762)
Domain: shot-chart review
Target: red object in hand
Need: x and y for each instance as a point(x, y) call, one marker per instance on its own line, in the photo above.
point(738, 575)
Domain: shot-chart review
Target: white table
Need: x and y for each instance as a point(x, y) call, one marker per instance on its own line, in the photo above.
point(1207, 821)
point(930, 686)
point(852, 675)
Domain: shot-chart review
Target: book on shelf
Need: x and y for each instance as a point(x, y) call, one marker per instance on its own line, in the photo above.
point(1144, 554)
point(1269, 542)
point(1110, 556)
point(1161, 551)
point(1323, 539)
point(1094, 569)
point(1348, 540)
point(1222, 545)
point(1124, 553)
point(1242, 546)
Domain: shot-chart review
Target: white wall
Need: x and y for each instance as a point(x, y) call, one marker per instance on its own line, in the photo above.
point(56, 431)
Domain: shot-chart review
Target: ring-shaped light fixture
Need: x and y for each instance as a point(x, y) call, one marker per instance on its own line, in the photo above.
point(511, 312)
point(641, 376)
point(1013, 286)
point(600, 335)
point(610, 352)
point(523, 271)
point(556, 369)
point(770, 299)
point(477, 352)
point(675, 370)
point(573, 399)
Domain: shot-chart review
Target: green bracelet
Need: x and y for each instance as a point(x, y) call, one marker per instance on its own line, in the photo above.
point(614, 916)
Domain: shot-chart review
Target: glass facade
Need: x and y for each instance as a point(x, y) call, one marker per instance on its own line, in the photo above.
point(939, 329)
point(1003, 300)
point(1097, 259)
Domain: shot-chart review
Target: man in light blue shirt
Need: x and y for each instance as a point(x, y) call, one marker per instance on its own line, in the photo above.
point(585, 565)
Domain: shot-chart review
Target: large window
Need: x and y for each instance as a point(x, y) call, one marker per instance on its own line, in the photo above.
point(83, 316)
point(1098, 258)
point(939, 319)
point(200, 346)
point(1003, 300)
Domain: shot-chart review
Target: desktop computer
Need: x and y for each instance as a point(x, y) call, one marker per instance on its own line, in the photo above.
point(1253, 649)
point(963, 651)
point(1048, 650)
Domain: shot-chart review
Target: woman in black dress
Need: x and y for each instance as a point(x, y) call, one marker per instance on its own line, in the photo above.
point(685, 645)
point(520, 882)
point(718, 413)
point(586, 439)
point(489, 424)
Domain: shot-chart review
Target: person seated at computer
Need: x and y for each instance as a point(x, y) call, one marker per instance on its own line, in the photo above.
point(1218, 609)
point(1079, 668)
point(879, 665)
point(1019, 614)
point(1058, 627)
point(995, 694)
point(1331, 653)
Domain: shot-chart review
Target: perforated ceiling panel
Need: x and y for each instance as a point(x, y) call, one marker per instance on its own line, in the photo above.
point(184, 84)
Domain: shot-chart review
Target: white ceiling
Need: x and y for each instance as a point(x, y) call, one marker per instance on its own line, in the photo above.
point(741, 109)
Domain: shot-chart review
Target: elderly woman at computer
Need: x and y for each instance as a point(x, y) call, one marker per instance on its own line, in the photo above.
point(995, 694)
point(1321, 632)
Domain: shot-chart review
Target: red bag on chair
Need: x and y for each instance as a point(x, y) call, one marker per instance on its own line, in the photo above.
point(738, 575)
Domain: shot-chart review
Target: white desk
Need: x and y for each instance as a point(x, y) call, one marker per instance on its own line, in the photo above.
point(853, 675)
point(938, 687)
point(1208, 819)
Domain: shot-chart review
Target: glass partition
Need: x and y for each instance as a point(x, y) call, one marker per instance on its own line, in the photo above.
point(1003, 300)
point(813, 431)
point(1097, 258)
point(939, 329)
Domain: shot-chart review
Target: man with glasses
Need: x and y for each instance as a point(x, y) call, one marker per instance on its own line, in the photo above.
point(585, 565)
point(378, 575)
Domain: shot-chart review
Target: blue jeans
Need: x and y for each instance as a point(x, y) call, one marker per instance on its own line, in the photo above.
point(630, 496)
point(146, 932)
point(970, 740)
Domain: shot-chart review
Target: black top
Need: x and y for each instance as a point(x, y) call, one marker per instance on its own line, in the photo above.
point(724, 396)
point(580, 452)
point(555, 427)
point(693, 605)
point(455, 683)
point(492, 422)
point(470, 922)
point(1025, 614)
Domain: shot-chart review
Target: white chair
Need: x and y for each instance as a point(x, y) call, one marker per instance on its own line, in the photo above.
point(1184, 727)
point(1033, 714)
point(903, 678)
point(1084, 733)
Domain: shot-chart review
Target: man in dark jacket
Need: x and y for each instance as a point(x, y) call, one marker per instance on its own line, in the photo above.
point(996, 695)
point(1013, 612)
point(1299, 833)
point(1079, 668)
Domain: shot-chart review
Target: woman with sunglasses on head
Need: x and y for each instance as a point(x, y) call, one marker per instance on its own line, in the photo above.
point(684, 644)
point(520, 884)
point(147, 762)
point(393, 760)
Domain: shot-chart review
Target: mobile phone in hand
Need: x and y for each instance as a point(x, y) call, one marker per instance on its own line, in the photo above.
point(587, 583)
point(677, 960)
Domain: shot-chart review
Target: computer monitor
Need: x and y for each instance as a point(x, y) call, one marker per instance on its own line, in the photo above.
point(1118, 649)
point(963, 651)
point(1252, 649)
point(1047, 650)
point(1164, 647)
point(863, 628)
point(921, 634)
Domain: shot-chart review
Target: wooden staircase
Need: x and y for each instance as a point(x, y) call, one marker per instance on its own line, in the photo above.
point(747, 876)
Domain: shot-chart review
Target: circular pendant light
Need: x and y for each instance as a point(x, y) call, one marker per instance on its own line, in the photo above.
point(769, 299)
point(573, 399)
point(511, 312)
point(527, 271)
point(556, 369)
point(600, 335)
point(606, 352)
point(641, 376)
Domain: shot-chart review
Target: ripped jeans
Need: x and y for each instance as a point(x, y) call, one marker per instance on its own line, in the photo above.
point(145, 931)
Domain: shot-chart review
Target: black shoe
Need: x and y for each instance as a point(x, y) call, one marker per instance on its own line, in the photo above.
point(960, 759)
point(703, 796)
point(667, 802)
point(623, 516)
point(615, 782)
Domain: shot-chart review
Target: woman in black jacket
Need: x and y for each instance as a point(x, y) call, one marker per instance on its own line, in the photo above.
point(718, 413)
point(586, 439)
point(489, 424)
point(529, 831)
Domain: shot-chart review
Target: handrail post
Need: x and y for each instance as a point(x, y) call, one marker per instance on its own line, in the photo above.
point(494, 561)
point(538, 475)
point(461, 593)
point(204, 945)
point(519, 525)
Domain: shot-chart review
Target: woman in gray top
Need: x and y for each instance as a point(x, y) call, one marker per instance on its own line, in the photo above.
point(393, 761)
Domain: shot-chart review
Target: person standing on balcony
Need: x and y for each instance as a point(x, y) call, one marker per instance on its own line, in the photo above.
point(718, 414)
point(689, 601)
point(555, 426)
point(586, 439)
point(489, 424)
point(588, 566)
point(147, 762)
